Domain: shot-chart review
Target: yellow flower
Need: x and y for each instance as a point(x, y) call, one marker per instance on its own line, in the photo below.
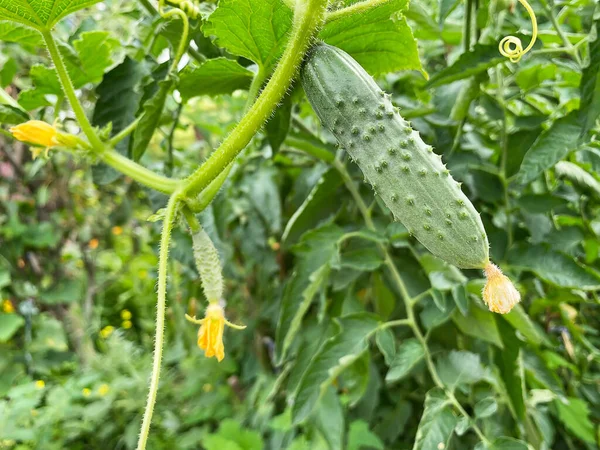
point(8, 307)
point(93, 244)
point(107, 331)
point(126, 314)
point(499, 294)
point(127, 324)
point(103, 389)
point(117, 230)
point(40, 384)
point(210, 334)
point(36, 132)
point(86, 392)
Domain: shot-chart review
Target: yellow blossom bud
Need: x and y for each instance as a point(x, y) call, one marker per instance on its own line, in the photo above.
point(86, 392)
point(8, 307)
point(126, 314)
point(127, 324)
point(40, 384)
point(36, 132)
point(499, 294)
point(210, 334)
point(117, 230)
point(107, 331)
point(103, 389)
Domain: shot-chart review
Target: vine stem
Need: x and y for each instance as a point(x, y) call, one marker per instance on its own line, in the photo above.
point(308, 16)
point(356, 8)
point(571, 48)
point(254, 89)
point(165, 242)
point(409, 302)
point(108, 155)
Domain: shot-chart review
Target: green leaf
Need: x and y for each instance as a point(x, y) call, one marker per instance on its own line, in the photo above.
point(554, 267)
point(152, 112)
point(360, 437)
point(460, 367)
point(255, 29)
point(409, 354)
point(437, 422)
point(446, 7)
point(540, 203)
point(486, 408)
point(549, 148)
point(43, 14)
point(510, 364)
point(589, 108)
point(364, 259)
point(263, 192)
point(521, 321)
point(10, 115)
point(231, 436)
point(386, 342)
point(506, 443)
point(479, 323)
point(214, 77)
point(337, 353)
point(379, 43)
point(66, 291)
point(461, 298)
point(536, 367)
point(579, 177)
point(9, 325)
point(314, 253)
point(329, 419)
point(20, 34)
point(478, 60)
point(278, 126)
point(575, 415)
point(118, 99)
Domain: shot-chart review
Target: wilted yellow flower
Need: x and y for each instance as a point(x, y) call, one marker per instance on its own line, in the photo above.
point(499, 294)
point(126, 314)
point(107, 331)
point(40, 384)
point(127, 324)
point(103, 389)
point(86, 392)
point(8, 307)
point(210, 334)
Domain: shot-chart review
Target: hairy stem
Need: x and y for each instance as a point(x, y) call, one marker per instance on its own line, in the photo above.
point(307, 18)
point(165, 241)
point(356, 8)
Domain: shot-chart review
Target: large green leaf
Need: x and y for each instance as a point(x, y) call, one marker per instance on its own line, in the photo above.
point(337, 353)
point(478, 60)
point(20, 34)
point(40, 14)
point(510, 364)
point(314, 253)
point(574, 414)
point(479, 323)
point(554, 267)
point(437, 422)
point(408, 355)
point(460, 367)
point(329, 419)
point(549, 148)
point(9, 325)
point(255, 29)
point(590, 86)
point(579, 177)
point(214, 77)
point(361, 437)
point(378, 42)
point(521, 321)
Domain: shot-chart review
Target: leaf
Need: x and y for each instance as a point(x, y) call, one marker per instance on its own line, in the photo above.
point(152, 112)
point(554, 267)
point(485, 408)
point(578, 176)
point(540, 203)
point(231, 436)
point(549, 148)
point(361, 437)
point(575, 415)
point(118, 99)
point(278, 126)
point(337, 353)
point(446, 7)
point(479, 323)
point(510, 365)
point(329, 419)
point(437, 422)
point(263, 192)
point(65, 291)
point(314, 255)
point(461, 299)
point(460, 367)
point(589, 108)
point(10, 115)
point(409, 354)
point(214, 77)
point(255, 29)
point(364, 259)
point(20, 34)
point(478, 60)
point(379, 43)
point(521, 321)
point(386, 342)
point(540, 373)
point(9, 325)
point(41, 14)
point(507, 443)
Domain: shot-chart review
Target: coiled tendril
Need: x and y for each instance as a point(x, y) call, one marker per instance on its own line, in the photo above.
point(511, 46)
point(187, 6)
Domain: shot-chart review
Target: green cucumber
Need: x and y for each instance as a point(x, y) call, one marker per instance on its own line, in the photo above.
point(404, 171)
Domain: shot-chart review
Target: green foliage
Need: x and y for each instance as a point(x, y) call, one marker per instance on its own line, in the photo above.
point(357, 337)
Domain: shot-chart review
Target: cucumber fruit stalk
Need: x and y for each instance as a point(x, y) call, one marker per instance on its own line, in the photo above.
point(404, 171)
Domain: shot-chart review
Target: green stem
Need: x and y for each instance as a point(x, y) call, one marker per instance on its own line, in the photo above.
point(165, 242)
point(124, 133)
point(183, 41)
point(308, 147)
point(307, 19)
point(567, 43)
point(356, 8)
point(139, 173)
point(254, 89)
point(504, 154)
point(69, 90)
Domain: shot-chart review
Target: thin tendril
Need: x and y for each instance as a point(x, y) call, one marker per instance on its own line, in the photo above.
point(511, 46)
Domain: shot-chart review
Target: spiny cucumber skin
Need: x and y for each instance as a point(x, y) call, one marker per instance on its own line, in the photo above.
point(208, 265)
point(404, 171)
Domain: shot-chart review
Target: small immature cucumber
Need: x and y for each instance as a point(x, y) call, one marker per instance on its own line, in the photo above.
point(407, 174)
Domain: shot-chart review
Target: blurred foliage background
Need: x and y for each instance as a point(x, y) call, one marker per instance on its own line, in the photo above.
point(78, 253)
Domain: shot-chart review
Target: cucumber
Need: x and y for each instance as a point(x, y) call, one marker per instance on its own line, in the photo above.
point(404, 171)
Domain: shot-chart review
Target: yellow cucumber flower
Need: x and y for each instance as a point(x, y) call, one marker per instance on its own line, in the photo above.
point(210, 334)
point(499, 294)
point(44, 135)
